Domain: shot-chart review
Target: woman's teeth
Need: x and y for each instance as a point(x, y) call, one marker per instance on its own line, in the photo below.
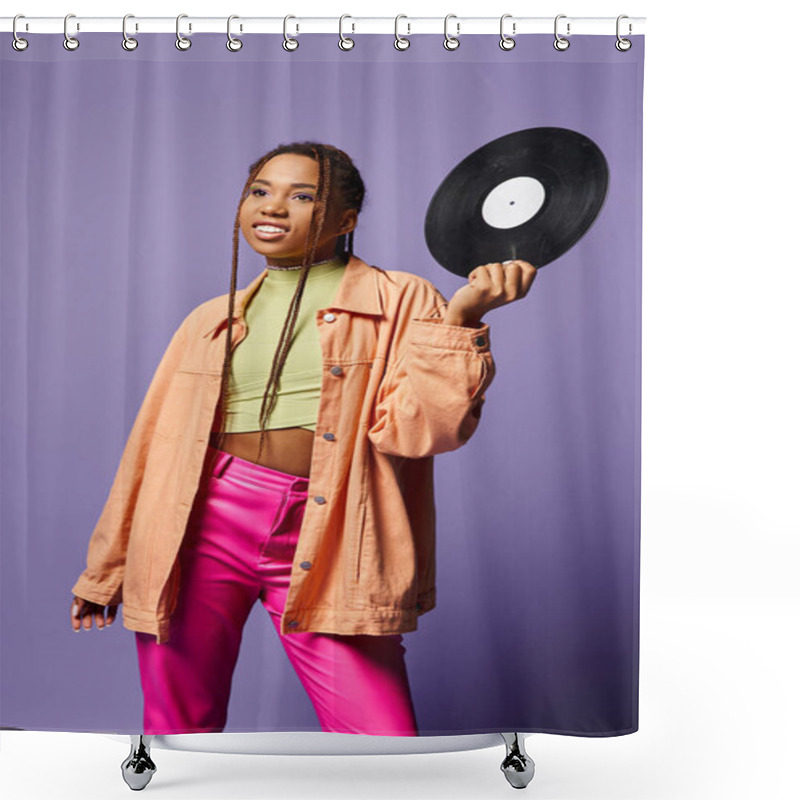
point(269, 232)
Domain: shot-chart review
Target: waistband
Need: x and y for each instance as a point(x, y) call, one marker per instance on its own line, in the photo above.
point(226, 463)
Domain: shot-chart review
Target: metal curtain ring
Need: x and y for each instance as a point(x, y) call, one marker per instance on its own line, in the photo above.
point(451, 42)
point(181, 42)
point(128, 42)
point(400, 42)
point(70, 42)
point(560, 42)
point(344, 42)
point(506, 42)
point(233, 44)
point(623, 44)
point(18, 43)
point(290, 43)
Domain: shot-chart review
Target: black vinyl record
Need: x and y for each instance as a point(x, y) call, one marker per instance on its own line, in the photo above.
point(530, 194)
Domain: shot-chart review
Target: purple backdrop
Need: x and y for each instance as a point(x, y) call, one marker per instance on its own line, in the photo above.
point(120, 177)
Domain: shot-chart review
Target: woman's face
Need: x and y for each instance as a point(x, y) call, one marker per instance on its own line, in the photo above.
point(282, 195)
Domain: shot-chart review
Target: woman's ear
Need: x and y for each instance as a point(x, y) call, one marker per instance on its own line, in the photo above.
point(348, 221)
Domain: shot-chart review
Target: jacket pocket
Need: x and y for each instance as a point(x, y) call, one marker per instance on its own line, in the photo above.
point(359, 544)
point(361, 529)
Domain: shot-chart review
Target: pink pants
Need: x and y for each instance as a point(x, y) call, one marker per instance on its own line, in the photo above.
point(239, 546)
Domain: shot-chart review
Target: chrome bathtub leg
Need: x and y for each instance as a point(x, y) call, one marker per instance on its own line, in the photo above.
point(138, 768)
point(517, 766)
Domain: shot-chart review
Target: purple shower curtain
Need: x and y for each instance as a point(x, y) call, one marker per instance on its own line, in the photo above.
point(120, 177)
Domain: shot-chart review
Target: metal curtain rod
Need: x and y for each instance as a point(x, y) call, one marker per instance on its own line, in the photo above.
point(457, 26)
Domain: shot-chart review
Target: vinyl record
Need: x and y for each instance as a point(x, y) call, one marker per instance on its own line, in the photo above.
point(530, 194)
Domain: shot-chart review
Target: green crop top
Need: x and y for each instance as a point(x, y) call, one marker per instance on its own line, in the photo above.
point(300, 382)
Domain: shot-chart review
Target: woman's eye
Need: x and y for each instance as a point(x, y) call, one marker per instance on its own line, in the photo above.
point(258, 192)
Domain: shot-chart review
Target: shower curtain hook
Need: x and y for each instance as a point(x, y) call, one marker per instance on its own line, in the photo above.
point(182, 43)
point(128, 42)
point(623, 44)
point(70, 42)
point(560, 42)
point(507, 42)
point(346, 43)
point(400, 42)
point(18, 42)
point(233, 44)
point(289, 43)
point(451, 42)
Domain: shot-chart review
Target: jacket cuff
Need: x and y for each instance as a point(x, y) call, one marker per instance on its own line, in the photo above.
point(435, 333)
point(89, 590)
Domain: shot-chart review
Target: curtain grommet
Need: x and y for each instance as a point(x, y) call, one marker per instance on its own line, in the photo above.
point(18, 43)
point(129, 43)
point(233, 44)
point(70, 42)
point(400, 42)
point(451, 42)
point(182, 42)
point(507, 42)
point(560, 43)
point(290, 44)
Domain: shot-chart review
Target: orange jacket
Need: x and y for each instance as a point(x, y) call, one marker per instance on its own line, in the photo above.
point(398, 386)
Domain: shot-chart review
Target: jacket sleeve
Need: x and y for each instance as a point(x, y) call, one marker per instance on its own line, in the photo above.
point(101, 581)
point(430, 398)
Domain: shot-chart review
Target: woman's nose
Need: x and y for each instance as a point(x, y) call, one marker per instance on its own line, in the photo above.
point(272, 205)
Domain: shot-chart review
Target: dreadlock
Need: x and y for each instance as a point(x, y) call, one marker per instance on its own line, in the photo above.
point(339, 177)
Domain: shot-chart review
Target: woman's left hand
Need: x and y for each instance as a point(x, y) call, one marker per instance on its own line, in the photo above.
point(490, 286)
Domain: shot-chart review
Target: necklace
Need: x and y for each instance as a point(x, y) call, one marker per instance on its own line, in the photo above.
point(300, 266)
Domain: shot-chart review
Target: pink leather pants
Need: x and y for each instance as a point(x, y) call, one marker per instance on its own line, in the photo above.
point(238, 548)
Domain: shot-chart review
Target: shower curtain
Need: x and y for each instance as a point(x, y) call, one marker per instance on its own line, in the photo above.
point(121, 171)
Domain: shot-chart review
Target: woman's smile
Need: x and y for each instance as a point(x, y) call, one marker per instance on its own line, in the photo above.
point(269, 232)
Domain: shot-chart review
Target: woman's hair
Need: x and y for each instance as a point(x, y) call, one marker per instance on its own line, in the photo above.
point(339, 180)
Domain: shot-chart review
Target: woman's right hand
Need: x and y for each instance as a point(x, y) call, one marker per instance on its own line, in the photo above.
point(82, 612)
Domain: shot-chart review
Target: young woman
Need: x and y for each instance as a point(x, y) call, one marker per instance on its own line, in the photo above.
point(284, 453)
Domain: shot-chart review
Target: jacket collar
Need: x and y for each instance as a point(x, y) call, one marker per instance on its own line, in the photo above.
point(357, 292)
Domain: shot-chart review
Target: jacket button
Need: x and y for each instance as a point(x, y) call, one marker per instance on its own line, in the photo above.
point(293, 624)
point(305, 565)
point(329, 317)
point(329, 436)
point(337, 370)
point(419, 606)
point(319, 499)
point(480, 341)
